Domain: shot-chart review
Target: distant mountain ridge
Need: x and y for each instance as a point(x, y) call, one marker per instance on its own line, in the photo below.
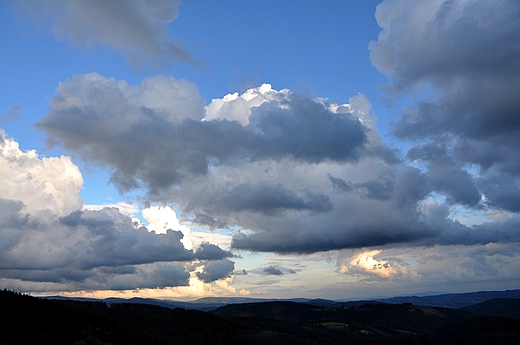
point(202, 304)
point(452, 300)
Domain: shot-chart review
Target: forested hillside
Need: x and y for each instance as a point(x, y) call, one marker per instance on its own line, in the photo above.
point(30, 320)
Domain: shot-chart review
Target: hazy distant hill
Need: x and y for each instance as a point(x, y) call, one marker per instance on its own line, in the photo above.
point(454, 301)
point(203, 304)
point(457, 300)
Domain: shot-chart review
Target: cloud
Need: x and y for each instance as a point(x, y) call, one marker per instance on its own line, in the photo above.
point(162, 218)
point(86, 249)
point(123, 207)
point(380, 188)
point(471, 265)
point(49, 183)
point(89, 239)
point(14, 113)
point(209, 251)
point(445, 175)
point(50, 242)
point(466, 52)
point(501, 190)
point(121, 126)
point(352, 223)
point(450, 40)
point(301, 175)
point(432, 268)
point(137, 28)
point(215, 270)
point(96, 249)
point(365, 263)
point(153, 276)
point(160, 275)
point(235, 107)
point(271, 270)
point(268, 199)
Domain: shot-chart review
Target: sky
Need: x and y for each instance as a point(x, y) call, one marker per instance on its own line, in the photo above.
point(337, 149)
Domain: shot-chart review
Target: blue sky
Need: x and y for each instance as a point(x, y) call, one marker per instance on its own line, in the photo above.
point(300, 149)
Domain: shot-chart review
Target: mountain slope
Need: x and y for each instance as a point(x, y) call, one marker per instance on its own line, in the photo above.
point(385, 317)
point(479, 331)
point(502, 307)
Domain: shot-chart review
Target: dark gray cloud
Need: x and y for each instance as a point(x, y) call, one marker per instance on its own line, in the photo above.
point(12, 230)
point(93, 250)
point(453, 40)
point(407, 218)
point(271, 270)
point(380, 188)
point(269, 199)
point(113, 244)
point(208, 251)
point(342, 185)
point(158, 147)
point(305, 130)
point(215, 270)
point(302, 238)
point(501, 190)
point(468, 52)
point(158, 275)
point(446, 176)
point(137, 28)
point(489, 232)
point(275, 270)
point(208, 221)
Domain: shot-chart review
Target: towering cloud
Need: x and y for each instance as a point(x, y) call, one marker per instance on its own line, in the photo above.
point(50, 184)
point(290, 172)
point(153, 136)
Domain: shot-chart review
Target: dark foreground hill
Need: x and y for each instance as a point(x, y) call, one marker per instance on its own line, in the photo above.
point(29, 320)
point(503, 307)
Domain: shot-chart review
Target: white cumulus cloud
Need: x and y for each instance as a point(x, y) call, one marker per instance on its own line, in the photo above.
point(48, 183)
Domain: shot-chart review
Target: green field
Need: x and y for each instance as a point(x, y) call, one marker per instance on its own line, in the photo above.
point(334, 325)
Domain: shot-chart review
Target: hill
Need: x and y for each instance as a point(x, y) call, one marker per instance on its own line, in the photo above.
point(385, 318)
point(455, 300)
point(210, 303)
point(479, 331)
point(502, 307)
point(34, 321)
